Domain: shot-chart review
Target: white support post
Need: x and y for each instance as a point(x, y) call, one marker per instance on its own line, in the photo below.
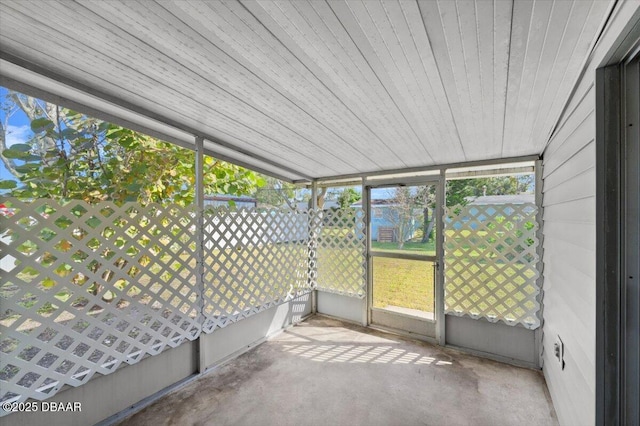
point(366, 315)
point(199, 200)
point(313, 243)
point(439, 302)
point(540, 265)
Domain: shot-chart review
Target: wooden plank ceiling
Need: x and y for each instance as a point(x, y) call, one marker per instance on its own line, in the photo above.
point(325, 87)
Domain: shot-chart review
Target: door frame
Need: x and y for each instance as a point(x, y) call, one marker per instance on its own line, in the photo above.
point(617, 269)
point(438, 180)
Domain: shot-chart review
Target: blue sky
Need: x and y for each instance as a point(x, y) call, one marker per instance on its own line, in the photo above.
point(18, 129)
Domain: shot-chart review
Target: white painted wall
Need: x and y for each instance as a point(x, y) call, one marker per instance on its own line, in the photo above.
point(570, 240)
point(228, 342)
point(104, 396)
point(344, 307)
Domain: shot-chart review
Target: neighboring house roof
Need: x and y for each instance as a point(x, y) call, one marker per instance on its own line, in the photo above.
point(236, 198)
point(502, 199)
point(328, 204)
point(376, 203)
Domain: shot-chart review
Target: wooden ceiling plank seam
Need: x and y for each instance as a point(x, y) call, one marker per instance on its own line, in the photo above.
point(443, 146)
point(337, 111)
point(440, 146)
point(285, 21)
point(485, 42)
point(555, 31)
point(504, 90)
point(566, 55)
point(395, 63)
point(340, 33)
point(536, 38)
point(386, 45)
point(367, 146)
point(266, 110)
point(574, 67)
point(522, 16)
point(536, 94)
point(430, 15)
point(316, 70)
point(483, 24)
point(467, 28)
point(503, 20)
point(454, 51)
point(340, 67)
point(321, 87)
point(338, 132)
point(451, 103)
point(327, 19)
point(348, 19)
point(162, 113)
point(422, 46)
point(155, 102)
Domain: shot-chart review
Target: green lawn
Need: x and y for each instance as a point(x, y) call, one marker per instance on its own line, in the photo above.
point(404, 283)
point(401, 282)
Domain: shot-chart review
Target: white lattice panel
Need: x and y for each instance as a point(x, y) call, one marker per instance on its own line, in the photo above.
point(338, 251)
point(87, 287)
point(490, 263)
point(253, 261)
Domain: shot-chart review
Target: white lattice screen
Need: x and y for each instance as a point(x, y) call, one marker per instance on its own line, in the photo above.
point(338, 251)
point(490, 263)
point(87, 287)
point(253, 260)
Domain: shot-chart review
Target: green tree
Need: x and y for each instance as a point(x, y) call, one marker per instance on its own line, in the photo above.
point(460, 190)
point(276, 193)
point(404, 212)
point(347, 197)
point(73, 156)
point(426, 197)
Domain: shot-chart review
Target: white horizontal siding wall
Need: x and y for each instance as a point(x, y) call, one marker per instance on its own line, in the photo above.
point(569, 264)
point(570, 240)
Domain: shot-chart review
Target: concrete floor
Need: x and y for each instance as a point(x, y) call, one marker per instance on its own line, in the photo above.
point(326, 372)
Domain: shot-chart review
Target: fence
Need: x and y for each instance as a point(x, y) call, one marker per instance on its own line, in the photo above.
point(86, 287)
point(490, 263)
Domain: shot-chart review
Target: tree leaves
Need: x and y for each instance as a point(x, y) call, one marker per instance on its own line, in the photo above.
point(8, 184)
point(79, 157)
point(17, 151)
point(41, 125)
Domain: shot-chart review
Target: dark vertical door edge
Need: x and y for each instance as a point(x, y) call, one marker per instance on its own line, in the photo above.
point(608, 252)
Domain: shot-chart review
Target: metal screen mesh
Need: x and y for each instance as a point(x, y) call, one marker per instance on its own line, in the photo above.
point(338, 247)
point(88, 287)
point(253, 260)
point(490, 263)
